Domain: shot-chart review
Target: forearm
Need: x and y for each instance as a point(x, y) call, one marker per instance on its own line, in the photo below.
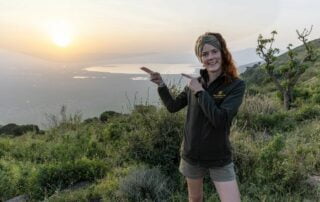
point(216, 115)
point(173, 105)
point(221, 115)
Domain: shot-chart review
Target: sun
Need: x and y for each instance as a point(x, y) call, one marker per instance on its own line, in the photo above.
point(61, 39)
point(61, 34)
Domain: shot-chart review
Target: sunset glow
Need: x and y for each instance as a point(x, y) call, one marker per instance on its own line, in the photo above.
point(60, 33)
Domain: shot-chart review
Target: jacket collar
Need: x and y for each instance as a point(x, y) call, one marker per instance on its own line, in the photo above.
point(221, 78)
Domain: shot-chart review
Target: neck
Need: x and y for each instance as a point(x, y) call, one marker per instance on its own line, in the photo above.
point(214, 75)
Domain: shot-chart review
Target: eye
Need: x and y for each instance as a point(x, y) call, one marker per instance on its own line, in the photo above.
point(204, 54)
point(214, 51)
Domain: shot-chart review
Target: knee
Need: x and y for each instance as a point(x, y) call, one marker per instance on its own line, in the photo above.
point(195, 198)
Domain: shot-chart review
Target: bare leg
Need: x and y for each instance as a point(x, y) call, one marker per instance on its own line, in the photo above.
point(228, 191)
point(195, 189)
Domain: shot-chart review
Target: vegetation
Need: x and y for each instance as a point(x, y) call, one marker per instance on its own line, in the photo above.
point(135, 157)
point(286, 76)
point(14, 129)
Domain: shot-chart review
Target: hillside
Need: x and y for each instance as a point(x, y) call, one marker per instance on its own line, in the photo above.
point(307, 87)
point(135, 156)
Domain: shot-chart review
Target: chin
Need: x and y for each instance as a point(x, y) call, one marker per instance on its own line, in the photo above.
point(213, 69)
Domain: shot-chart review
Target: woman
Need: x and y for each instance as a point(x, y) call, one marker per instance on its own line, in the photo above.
point(213, 100)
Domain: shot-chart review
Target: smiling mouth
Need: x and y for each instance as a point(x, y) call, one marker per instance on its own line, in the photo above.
point(213, 63)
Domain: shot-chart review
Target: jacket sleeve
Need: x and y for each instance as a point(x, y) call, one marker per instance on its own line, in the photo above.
point(173, 105)
point(222, 115)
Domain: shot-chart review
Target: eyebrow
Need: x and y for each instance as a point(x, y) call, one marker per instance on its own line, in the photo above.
point(209, 50)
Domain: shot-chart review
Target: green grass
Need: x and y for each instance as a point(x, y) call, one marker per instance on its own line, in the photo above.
point(274, 150)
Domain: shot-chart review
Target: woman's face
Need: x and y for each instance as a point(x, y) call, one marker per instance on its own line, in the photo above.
point(211, 58)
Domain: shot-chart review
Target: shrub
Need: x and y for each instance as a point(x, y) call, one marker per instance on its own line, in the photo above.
point(14, 129)
point(105, 116)
point(307, 112)
point(7, 186)
point(259, 104)
point(245, 155)
point(278, 121)
point(277, 169)
point(145, 185)
point(52, 177)
point(63, 120)
point(14, 178)
point(157, 142)
point(316, 98)
point(91, 120)
point(143, 109)
point(114, 131)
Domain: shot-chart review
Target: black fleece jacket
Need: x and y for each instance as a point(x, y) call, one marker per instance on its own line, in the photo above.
point(209, 116)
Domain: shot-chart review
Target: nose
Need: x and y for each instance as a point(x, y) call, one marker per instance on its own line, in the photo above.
point(210, 56)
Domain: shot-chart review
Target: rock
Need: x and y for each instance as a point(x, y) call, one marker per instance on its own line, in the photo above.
point(21, 198)
point(78, 185)
point(313, 181)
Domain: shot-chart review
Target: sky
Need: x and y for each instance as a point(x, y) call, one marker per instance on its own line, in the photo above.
point(70, 30)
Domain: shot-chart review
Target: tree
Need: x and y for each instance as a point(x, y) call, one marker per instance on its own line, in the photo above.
point(285, 76)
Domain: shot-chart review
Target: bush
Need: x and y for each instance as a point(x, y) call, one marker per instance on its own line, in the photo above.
point(145, 185)
point(316, 98)
point(143, 109)
point(91, 120)
point(276, 169)
point(157, 139)
point(278, 121)
point(307, 112)
point(7, 185)
point(14, 129)
point(15, 178)
point(105, 116)
point(52, 177)
point(114, 131)
point(64, 121)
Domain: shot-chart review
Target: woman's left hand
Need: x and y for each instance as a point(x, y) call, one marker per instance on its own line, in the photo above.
point(194, 84)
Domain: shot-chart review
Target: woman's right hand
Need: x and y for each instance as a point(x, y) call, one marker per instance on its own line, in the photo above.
point(155, 77)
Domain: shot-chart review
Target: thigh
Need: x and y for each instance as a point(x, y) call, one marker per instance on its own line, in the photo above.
point(223, 174)
point(195, 189)
point(191, 171)
point(228, 191)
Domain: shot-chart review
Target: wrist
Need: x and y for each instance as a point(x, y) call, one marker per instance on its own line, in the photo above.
point(161, 84)
point(198, 93)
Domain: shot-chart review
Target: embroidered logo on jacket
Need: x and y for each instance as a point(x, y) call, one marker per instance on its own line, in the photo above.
point(220, 94)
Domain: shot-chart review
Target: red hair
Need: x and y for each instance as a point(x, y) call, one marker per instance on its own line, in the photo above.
point(228, 66)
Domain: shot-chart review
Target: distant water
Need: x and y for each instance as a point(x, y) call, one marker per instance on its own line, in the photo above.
point(26, 96)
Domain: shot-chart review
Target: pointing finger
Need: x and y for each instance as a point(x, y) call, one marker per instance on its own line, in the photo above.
point(188, 76)
point(149, 71)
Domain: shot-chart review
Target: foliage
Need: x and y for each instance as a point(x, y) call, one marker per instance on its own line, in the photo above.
point(145, 185)
point(16, 130)
point(63, 120)
point(131, 156)
point(105, 116)
point(285, 76)
point(52, 177)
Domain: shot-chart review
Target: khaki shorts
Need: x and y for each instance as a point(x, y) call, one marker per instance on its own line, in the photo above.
point(219, 174)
